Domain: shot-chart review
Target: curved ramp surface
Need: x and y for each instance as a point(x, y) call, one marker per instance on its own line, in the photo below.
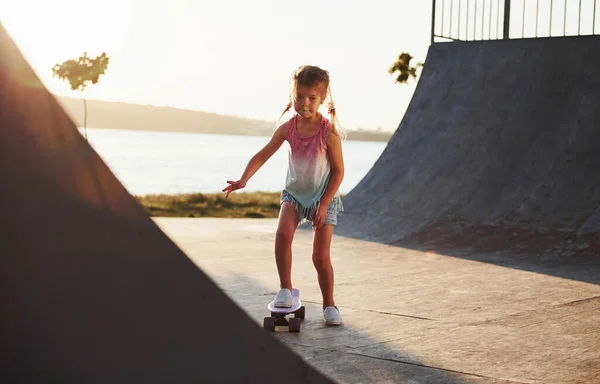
point(504, 134)
point(92, 291)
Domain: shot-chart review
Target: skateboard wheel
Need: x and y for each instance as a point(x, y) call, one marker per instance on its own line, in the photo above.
point(300, 313)
point(269, 324)
point(295, 324)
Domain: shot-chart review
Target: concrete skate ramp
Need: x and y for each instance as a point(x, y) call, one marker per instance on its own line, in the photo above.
point(92, 291)
point(499, 134)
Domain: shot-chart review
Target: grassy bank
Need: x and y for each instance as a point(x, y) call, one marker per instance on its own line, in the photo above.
point(238, 205)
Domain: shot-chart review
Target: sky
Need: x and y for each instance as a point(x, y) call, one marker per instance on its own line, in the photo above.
point(235, 57)
point(232, 57)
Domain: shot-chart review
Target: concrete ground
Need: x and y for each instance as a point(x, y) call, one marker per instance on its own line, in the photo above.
point(410, 316)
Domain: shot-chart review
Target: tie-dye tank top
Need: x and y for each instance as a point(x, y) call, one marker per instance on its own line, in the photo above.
point(309, 169)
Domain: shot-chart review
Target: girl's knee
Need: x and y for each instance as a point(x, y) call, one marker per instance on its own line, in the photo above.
point(321, 261)
point(285, 234)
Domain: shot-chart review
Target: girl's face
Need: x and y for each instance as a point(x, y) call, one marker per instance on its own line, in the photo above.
point(307, 100)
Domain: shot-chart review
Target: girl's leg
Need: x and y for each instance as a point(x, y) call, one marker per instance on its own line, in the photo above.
point(322, 261)
point(286, 228)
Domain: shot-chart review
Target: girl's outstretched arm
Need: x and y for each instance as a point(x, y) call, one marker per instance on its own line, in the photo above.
point(258, 160)
point(334, 148)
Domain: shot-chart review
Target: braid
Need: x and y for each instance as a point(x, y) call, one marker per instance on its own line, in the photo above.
point(287, 108)
point(335, 124)
point(331, 111)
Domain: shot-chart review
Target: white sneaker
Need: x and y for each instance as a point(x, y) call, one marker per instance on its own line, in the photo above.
point(332, 316)
point(283, 298)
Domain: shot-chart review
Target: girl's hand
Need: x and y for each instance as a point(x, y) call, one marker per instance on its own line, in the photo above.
point(233, 186)
point(320, 216)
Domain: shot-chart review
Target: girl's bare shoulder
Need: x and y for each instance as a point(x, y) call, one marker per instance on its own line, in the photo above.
point(283, 129)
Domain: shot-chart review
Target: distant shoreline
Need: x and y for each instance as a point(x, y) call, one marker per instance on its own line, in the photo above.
point(353, 133)
point(126, 116)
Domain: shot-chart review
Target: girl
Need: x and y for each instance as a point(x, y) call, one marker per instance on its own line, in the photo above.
point(315, 172)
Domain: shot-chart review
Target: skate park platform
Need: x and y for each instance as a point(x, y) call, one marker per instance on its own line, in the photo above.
point(410, 316)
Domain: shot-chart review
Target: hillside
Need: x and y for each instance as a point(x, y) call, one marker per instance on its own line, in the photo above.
point(105, 114)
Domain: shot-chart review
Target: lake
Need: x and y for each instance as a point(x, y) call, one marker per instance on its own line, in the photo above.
point(171, 163)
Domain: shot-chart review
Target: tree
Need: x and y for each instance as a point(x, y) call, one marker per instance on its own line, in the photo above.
point(402, 65)
point(80, 72)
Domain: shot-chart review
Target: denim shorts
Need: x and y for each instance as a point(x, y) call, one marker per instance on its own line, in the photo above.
point(332, 210)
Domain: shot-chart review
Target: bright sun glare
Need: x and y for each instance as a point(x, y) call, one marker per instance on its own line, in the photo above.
point(228, 57)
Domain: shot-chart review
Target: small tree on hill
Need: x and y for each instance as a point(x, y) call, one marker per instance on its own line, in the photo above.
point(402, 65)
point(80, 72)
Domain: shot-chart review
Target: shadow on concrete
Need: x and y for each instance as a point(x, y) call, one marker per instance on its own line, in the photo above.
point(565, 254)
point(345, 354)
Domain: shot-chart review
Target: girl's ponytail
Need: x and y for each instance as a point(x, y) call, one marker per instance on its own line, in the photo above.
point(287, 108)
point(335, 124)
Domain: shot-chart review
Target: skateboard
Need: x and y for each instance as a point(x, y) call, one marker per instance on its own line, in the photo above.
point(278, 314)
